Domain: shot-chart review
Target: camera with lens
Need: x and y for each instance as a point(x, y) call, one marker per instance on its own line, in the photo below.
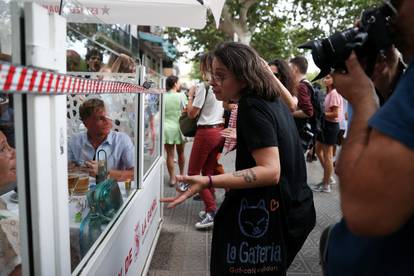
point(372, 37)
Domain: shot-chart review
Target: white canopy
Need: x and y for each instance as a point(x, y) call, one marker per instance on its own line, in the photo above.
point(168, 13)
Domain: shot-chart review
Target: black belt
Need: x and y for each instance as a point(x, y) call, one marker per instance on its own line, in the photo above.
point(211, 126)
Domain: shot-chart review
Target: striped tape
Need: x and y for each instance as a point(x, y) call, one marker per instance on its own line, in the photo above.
point(20, 79)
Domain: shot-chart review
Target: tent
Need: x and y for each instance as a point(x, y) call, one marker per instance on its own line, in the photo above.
point(168, 13)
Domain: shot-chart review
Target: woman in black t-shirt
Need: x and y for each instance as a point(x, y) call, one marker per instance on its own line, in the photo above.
point(268, 210)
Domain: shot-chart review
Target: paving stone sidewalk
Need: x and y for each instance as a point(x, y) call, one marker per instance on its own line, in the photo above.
point(184, 251)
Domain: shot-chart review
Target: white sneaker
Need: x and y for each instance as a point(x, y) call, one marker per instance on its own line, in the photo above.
point(207, 222)
point(182, 187)
point(202, 214)
point(332, 180)
point(316, 186)
point(321, 188)
point(326, 189)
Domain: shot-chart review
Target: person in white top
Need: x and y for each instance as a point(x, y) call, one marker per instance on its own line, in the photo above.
point(208, 140)
point(211, 109)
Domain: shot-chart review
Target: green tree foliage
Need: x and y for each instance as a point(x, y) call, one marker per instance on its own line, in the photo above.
point(272, 41)
point(195, 73)
point(274, 27)
point(324, 17)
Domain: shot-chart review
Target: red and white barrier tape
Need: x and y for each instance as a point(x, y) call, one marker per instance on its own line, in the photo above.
point(20, 79)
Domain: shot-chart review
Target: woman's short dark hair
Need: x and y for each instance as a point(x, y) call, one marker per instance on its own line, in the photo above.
point(246, 65)
point(170, 82)
point(285, 73)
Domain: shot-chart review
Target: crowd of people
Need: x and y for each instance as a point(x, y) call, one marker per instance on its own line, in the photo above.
point(93, 113)
point(267, 111)
point(276, 110)
point(117, 63)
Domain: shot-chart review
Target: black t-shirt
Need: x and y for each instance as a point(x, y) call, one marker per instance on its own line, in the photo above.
point(261, 124)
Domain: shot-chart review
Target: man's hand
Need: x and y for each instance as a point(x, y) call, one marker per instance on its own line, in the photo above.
point(92, 166)
point(355, 86)
point(197, 183)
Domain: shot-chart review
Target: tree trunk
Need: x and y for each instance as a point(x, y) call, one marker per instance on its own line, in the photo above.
point(230, 26)
point(244, 37)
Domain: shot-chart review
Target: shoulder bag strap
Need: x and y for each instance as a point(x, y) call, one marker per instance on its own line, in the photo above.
point(207, 87)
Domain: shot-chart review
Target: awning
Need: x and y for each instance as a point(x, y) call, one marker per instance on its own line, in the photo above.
point(168, 49)
point(167, 13)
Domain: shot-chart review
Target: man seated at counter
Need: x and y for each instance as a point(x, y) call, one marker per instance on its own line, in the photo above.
point(83, 148)
point(10, 263)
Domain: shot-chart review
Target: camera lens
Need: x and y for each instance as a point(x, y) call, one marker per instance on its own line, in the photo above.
point(371, 37)
point(331, 52)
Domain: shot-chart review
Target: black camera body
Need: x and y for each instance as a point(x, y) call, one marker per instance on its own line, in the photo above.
point(372, 37)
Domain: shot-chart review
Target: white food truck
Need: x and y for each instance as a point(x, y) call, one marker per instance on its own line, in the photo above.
point(52, 216)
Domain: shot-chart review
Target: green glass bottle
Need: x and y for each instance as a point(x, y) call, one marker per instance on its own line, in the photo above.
point(90, 228)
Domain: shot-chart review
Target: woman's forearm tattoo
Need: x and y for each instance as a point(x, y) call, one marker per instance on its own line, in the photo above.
point(248, 175)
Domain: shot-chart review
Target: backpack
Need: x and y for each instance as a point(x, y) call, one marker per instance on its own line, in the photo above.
point(317, 99)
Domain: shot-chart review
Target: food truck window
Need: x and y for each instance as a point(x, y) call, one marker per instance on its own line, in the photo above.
point(5, 31)
point(152, 120)
point(10, 247)
point(9, 205)
point(152, 129)
point(101, 161)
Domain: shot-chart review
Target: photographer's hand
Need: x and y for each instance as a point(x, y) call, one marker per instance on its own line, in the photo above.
point(354, 85)
point(386, 72)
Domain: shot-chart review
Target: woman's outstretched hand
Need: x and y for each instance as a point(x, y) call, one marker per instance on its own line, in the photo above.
point(196, 184)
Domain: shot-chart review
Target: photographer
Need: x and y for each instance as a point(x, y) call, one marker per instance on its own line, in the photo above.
point(376, 165)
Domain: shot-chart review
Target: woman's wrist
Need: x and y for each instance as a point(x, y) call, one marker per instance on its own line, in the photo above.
point(210, 182)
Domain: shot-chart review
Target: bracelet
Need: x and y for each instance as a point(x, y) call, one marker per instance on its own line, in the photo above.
point(210, 182)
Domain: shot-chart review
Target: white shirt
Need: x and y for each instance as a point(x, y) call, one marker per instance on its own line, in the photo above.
point(213, 110)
